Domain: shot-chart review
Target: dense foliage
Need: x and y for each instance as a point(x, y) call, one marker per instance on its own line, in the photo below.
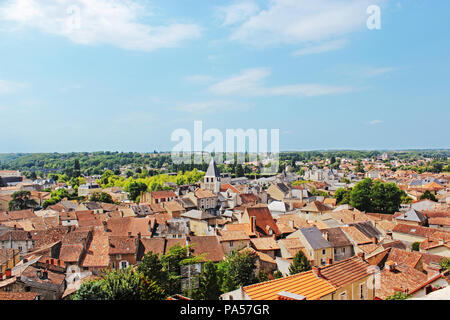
point(299, 264)
point(376, 196)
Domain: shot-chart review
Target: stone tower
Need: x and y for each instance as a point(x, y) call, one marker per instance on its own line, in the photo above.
point(211, 181)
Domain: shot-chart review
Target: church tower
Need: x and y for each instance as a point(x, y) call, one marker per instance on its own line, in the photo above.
point(211, 181)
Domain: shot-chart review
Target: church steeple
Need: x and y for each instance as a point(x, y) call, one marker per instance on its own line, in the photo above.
point(211, 180)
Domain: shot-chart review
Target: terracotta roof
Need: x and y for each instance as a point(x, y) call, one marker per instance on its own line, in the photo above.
point(394, 244)
point(306, 284)
point(207, 245)
point(285, 228)
point(337, 237)
point(163, 194)
point(295, 218)
point(292, 245)
point(225, 186)
point(173, 206)
point(439, 221)
point(357, 236)
point(16, 235)
point(156, 208)
point(97, 252)
point(21, 215)
point(204, 193)
point(46, 237)
point(155, 245)
point(240, 227)
point(346, 271)
point(415, 230)
point(263, 219)
point(18, 295)
point(249, 198)
point(123, 226)
point(261, 255)
point(71, 252)
point(228, 235)
point(402, 278)
point(351, 216)
point(265, 244)
point(122, 245)
point(316, 206)
point(368, 248)
point(56, 278)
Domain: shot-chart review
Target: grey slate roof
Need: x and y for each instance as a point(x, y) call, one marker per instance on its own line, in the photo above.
point(315, 238)
point(367, 229)
point(412, 215)
point(212, 169)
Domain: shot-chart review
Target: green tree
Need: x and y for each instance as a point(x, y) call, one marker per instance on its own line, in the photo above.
point(21, 200)
point(360, 196)
point(398, 296)
point(208, 283)
point(101, 197)
point(428, 195)
point(299, 264)
point(153, 269)
point(386, 197)
point(445, 263)
point(277, 274)
point(416, 246)
point(238, 269)
point(76, 168)
point(376, 196)
point(342, 195)
point(262, 276)
point(125, 284)
point(135, 189)
point(239, 171)
point(90, 290)
point(176, 257)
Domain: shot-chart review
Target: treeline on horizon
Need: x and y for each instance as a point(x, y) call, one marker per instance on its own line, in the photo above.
point(95, 163)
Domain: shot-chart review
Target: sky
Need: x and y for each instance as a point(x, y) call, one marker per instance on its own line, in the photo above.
point(123, 75)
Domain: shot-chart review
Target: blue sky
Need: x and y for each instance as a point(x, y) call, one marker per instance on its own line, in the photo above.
point(81, 75)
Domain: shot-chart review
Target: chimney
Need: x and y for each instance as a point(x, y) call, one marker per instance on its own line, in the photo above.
point(291, 224)
point(375, 240)
point(252, 223)
point(316, 271)
point(129, 234)
point(361, 255)
point(390, 265)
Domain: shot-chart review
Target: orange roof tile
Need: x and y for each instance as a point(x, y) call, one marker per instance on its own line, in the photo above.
point(306, 284)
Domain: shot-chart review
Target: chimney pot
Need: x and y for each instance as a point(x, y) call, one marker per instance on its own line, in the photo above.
point(361, 255)
point(316, 270)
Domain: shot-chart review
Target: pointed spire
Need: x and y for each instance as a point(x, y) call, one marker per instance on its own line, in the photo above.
point(212, 169)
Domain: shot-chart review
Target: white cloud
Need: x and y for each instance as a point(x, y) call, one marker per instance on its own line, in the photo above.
point(212, 106)
point(374, 122)
point(198, 79)
point(322, 47)
point(7, 87)
point(237, 12)
point(301, 21)
point(250, 82)
point(371, 72)
point(90, 22)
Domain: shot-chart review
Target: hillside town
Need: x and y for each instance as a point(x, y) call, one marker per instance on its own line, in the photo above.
point(310, 233)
